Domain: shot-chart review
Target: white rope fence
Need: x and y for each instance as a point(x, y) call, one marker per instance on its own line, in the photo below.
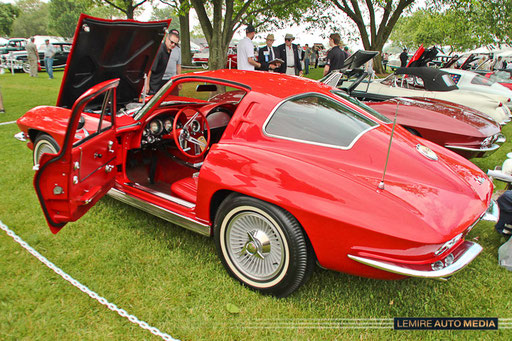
point(83, 288)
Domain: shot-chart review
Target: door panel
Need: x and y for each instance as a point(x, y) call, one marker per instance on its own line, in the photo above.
point(70, 183)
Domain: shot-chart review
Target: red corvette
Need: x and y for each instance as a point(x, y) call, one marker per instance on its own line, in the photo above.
point(283, 172)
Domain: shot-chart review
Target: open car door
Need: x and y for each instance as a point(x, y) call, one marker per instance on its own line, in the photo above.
point(70, 183)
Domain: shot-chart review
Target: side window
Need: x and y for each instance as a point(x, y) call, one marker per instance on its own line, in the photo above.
point(100, 111)
point(318, 120)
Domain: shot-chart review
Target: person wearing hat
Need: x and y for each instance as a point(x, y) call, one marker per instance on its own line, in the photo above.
point(289, 53)
point(268, 53)
point(245, 51)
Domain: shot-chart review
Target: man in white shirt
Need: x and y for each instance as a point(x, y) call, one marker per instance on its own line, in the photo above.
point(49, 52)
point(245, 51)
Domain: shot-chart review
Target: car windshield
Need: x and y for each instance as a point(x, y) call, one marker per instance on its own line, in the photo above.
point(317, 119)
point(481, 80)
point(447, 79)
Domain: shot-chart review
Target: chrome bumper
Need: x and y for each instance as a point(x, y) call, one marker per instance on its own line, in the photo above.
point(492, 213)
point(483, 152)
point(467, 252)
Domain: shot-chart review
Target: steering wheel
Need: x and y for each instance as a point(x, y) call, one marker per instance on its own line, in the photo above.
point(193, 136)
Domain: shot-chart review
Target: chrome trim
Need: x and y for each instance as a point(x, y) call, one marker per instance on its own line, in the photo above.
point(161, 212)
point(128, 126)
point(471, 252)
point(492, 213)
point(317, 143)
point(501, 138)
point(492, 148)
point(164, 196)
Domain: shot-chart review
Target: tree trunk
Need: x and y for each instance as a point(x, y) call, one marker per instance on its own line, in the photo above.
point(186, 56)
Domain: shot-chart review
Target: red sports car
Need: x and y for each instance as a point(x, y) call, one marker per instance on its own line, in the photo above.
point(283, 172)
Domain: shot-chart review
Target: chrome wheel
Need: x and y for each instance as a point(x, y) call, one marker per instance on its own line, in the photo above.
point(255, 245)
point(262, 245)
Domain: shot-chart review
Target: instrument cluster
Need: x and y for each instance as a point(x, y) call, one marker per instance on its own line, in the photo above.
point(158, 129)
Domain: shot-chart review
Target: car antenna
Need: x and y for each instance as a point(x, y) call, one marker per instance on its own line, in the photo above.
point(381, 184)
point(145, 88)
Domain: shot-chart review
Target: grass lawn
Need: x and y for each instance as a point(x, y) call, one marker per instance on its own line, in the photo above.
point(172, 278)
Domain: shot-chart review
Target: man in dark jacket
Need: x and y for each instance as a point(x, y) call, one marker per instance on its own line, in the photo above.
point(403, 58)
point(268, 53)
point(289, 53)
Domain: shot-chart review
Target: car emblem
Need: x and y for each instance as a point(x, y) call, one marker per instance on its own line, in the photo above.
point(426, 152)
point(480, 179)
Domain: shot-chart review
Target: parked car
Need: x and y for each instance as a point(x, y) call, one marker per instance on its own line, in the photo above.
point(18, 60)
point(432, 83)
point(472, 81)
point(14, 44)
point(466, 131)
point(201, 58)
point(281, 181)
point(502, 77)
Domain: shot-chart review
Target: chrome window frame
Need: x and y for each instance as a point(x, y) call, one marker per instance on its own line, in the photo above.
point(317, 94)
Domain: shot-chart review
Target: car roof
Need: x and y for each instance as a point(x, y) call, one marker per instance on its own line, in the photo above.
point(432, 77)
point(268, 83)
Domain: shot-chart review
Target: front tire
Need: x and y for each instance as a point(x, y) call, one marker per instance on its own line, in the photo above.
point(262, 245)
point(44, 143)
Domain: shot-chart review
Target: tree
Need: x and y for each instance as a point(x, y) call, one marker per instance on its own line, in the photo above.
point(64, 15)
point(128, 7)
point(182, 9)
point(33, 19)
point(228, 16)
point(8, 13)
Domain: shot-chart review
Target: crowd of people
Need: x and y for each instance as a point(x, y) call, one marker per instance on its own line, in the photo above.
point(288, 58)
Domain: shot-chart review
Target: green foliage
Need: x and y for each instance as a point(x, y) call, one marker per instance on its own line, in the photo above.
point(64, 15)
point(33, 19)
point(8, 13)
point(166, 13)
point(466, 24)
point(128, 7)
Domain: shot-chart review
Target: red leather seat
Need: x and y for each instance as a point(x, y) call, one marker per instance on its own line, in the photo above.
point(186, 189)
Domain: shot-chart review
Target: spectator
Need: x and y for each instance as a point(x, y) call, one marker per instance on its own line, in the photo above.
point(385, 58)
point(307, 58)
point(245, 51)
point(335, 56)
point(403, 58)
point(49, 52)
point(268, 53)
point(2, 109)
point(345, 50)
point(167, 63)
point(316, 51)
point(33, 57)
point(289, 53)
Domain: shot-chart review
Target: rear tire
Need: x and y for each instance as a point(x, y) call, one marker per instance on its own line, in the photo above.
point(262, 245)
point(44, 143)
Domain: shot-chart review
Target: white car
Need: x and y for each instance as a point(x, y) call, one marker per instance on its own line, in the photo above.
point(432, 83)
point(472, 81)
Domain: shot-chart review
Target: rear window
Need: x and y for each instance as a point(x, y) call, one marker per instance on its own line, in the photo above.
point(318, 120)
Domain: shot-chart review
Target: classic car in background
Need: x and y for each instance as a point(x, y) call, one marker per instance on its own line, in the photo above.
point(13, 44)
point(465, 131)
point(18, 60)
point(472, 81)
point(432, 83)
point(502, 77)
point(279, 181)
point(201, 58)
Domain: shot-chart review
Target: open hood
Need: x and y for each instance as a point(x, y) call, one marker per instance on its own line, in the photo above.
point(107, 49)
point(358, 58)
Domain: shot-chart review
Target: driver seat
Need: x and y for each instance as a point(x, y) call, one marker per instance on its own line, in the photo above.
point(186, 188)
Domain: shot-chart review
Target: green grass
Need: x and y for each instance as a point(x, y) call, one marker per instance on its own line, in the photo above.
point(172, 278)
